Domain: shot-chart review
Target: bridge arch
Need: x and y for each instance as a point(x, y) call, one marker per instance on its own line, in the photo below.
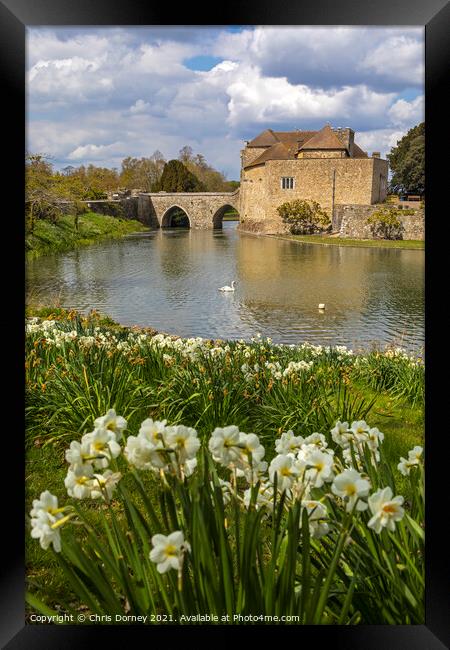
point(219, 214)
point(176, 217)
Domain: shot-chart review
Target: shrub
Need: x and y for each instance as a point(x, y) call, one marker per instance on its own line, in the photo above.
point(304, 217)
point(385, 223)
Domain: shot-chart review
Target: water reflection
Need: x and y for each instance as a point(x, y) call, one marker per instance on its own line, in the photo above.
point(169, 279)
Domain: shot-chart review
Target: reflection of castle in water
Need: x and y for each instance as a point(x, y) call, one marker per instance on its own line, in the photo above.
point(298, 277)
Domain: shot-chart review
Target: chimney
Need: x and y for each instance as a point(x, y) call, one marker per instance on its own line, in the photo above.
point(346, 136)
point(376, 154)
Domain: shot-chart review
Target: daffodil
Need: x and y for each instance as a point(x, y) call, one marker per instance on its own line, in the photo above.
point(360, 430)
point(44, 514)
point(168, 551)
point(224, 443)
point(183, 440)
point(319, 468)
point(317, 515)
point(288, 443)
point(112, 422)
point(264, 498)
point(102, 446)
point(350, 486)
point(414, 459)
point(103, 485)
point(287, 470)
point(341, 434)
point(153, 431)
point(78, 481)
point(142, 454)
point(385, 509)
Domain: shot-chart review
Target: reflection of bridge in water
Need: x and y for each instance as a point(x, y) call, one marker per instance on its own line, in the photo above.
point(203, 209)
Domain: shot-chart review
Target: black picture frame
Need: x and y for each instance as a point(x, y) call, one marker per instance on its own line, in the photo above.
point(15, 16)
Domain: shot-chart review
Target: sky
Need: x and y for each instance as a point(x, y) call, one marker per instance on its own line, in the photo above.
point(97, 95)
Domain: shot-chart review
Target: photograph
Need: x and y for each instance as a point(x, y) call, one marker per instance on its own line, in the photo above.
point(225, 325)
point(224, 297)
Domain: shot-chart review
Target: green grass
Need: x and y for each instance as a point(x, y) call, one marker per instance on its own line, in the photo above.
point(67, 387)
point(62, 236)
point(327, 240)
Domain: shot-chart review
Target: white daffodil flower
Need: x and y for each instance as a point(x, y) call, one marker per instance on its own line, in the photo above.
point(224, 443)
point(350, 486)
point(318, 440)
point(317, 514)
point(44, 514)
point(168, 551)
point(287, 470)
point(153, 432)
point(341, 434)
point(112, 422)
point(104, 484)
point(249, 445)
point(360, 430)
point(385, 509)
point(78, 481)
point(142, 454)
point(102, 446)
point(375, 438)
point(414, 459)
point(78, 453)
point(288, 443)
point(415, 454)
point(183, 440)
point(319, 468)
point(264, 497)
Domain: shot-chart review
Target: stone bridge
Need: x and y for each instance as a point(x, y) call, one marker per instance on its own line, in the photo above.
point(203, 209)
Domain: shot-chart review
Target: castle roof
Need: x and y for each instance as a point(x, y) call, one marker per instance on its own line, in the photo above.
point(323, 139)
point(358, 152)
point(278, 151)
point(284, 145)
point(264, 139)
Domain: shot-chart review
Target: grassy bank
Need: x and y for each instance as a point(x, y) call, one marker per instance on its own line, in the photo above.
point(62, 236)
point(328, 240)
point(79, 367)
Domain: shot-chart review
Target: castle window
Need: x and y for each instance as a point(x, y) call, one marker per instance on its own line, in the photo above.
point(287, 183)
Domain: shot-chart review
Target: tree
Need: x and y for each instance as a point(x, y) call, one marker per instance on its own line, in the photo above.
point(407, 162)
point(43, 197)
point(304, 217)
point(213, 180)
point(176, 177)
point(143, 173)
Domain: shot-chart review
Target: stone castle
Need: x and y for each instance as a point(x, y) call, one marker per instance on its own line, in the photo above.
point(326, 166)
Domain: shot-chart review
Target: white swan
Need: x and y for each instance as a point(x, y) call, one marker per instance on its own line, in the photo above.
point(227, 288)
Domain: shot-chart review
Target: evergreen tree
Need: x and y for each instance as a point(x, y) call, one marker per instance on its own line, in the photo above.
point(176, 177)
point(407, 162)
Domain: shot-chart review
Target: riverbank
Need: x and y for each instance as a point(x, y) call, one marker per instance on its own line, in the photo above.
point(63, 236)
point(331, 240)
point(77, 367)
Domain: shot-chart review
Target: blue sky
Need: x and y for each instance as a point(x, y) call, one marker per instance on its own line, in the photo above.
point(96, 95)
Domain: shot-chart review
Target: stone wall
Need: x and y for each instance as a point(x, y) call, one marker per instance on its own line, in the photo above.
point(350, 222)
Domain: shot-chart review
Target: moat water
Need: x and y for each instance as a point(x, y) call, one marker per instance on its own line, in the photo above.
point(169, 279)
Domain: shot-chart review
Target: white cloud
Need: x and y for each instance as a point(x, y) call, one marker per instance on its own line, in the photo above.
point(323, 56)
point(97, 152)
point(381, 140)
point(139, 106)
point(400, 57)
point(404, 112)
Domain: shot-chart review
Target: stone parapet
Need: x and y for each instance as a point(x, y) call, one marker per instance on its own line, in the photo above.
point(350, 221)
